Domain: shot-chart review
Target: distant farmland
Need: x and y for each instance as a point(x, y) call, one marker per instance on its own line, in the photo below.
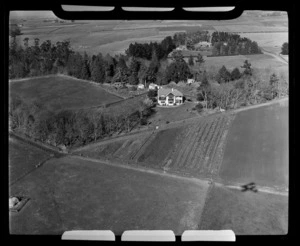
point(59, 92)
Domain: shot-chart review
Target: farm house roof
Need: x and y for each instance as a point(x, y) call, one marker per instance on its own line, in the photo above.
point(166, 91)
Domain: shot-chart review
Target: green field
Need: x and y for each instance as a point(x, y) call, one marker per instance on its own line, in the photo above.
point(60, 92)
point(23, 157)
point(246, 213)
point(73, 194)
point(260, 61)
point(257, 147)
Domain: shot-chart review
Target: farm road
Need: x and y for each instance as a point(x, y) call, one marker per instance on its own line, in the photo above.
point(176, 176)
point(141, 169)
point(277, 57)
point(260, 105)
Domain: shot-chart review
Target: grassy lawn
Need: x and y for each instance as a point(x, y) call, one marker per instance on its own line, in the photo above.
point(23, 157)
point(70, 194)
point(59, 92)
point(182, 112)
point(246, 213)
point(257, 147)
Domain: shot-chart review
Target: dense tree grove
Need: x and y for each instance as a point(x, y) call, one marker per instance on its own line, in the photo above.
point(178, 70)
point(237, 89)
point(225, 43)
point(75, 127)
point(146, 50)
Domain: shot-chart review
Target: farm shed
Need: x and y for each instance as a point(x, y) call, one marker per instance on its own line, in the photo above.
point(190, 81)
point(141, 86)
point(153, 86)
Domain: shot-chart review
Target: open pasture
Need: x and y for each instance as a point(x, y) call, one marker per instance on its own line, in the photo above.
point(22, 158)
point(61, 92)
point(74, 194)
point(271, 42)
point(246, 213)
point(257, 147)
point(259, 62)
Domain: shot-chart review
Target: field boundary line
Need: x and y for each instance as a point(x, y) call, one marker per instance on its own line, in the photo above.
point(141, 169)
point(39, 145)
point(30, 171)
point(258, 105)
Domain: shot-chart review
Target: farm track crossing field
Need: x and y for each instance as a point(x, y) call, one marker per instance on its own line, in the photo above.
point(257, 147)
point(23, 158)
point(73, 194)
point(60, 92)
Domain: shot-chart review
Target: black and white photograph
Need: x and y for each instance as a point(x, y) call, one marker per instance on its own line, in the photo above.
point(154, 124)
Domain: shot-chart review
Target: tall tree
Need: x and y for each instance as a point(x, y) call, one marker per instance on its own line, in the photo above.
point(85, 69)
point(191, 60)
point(235, 74)
point(200, 59)
point(223, 75)
point(98, 69)
point(204, 89)
point(285, 48)
point(153, 68)
point(247, 67)
point(177, 71)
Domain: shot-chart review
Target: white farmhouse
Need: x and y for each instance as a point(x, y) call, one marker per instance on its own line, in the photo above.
point(169, 97)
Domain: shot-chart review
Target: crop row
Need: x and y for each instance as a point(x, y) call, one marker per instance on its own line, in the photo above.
point(199, 145)
point(218, 156)
point(213, 148)
point(182, 148)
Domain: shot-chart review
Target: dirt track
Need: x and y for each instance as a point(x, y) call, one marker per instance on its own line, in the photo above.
point(277, 57)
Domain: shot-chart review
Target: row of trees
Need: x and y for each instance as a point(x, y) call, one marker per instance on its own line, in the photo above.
point(225, 76)
point(74, 127)
point(146, 50)
point(235, 48)
point(225, 43)
point(48, 58)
